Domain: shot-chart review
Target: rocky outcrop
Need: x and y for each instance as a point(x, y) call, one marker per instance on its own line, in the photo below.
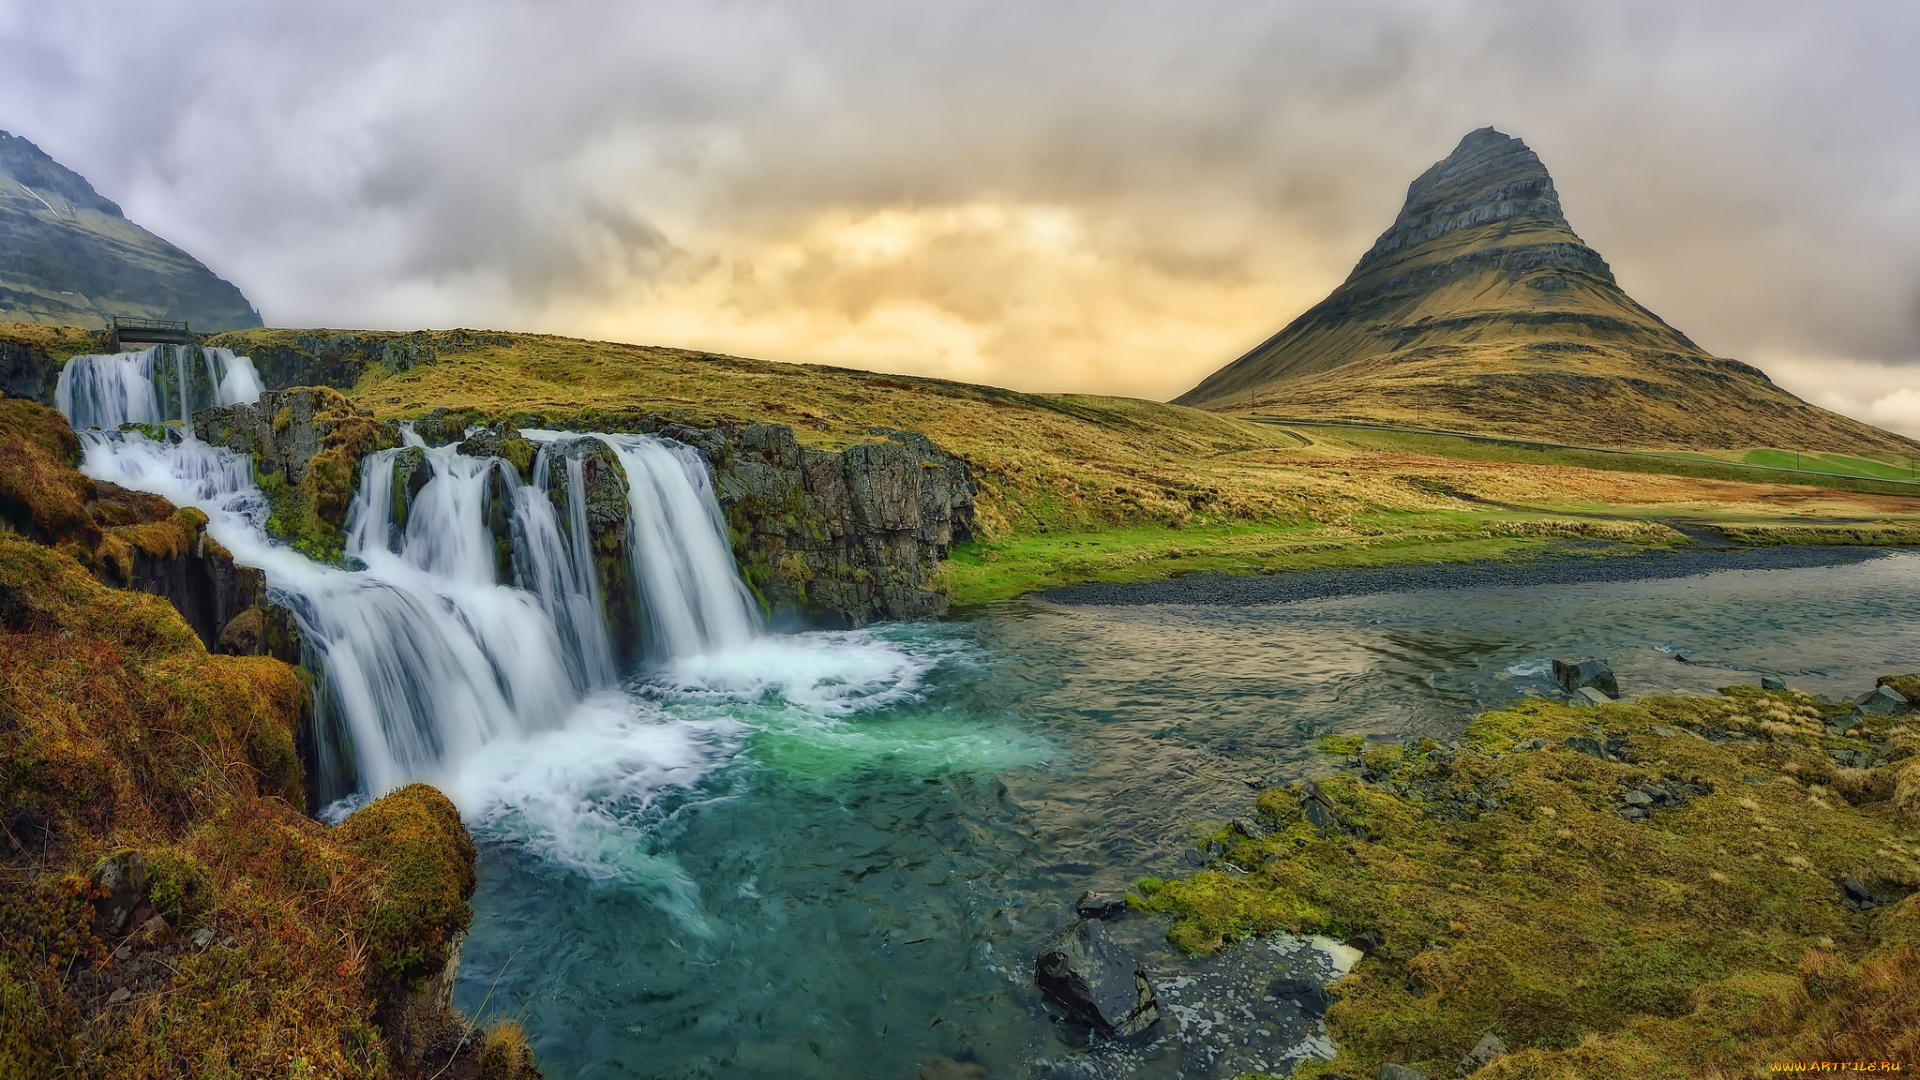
point(287, 359)
point(26, 371)
point(167, 553)
point(842, 538)
point(133, 540)
point(851, 537)
point(307, 445)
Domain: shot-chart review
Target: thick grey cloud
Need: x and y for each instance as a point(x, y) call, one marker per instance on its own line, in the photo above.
point(1100, 196)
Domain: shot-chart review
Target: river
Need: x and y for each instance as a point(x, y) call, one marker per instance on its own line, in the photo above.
point(836, 854)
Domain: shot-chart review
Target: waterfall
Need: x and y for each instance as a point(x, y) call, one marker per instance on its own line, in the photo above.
point(162, 383)
point(695, 600)
point(481, 618)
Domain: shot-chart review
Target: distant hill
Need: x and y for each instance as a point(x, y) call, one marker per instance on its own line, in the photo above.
point(1481, 310)
point(69, 257)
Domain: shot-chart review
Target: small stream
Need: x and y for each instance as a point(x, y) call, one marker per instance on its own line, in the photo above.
point(835, 855)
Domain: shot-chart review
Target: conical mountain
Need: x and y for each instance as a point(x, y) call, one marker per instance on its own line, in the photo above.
point(1481, 310)
point(69, 257)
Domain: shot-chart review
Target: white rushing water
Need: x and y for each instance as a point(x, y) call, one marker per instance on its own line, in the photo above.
point(426, 657)
point(162, 383)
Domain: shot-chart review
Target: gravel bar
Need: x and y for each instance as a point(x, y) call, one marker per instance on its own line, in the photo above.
point(1286, 586)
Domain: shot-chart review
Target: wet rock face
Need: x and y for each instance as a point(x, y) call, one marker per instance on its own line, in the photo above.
point(851, 537)
point(27, 372)
point(606, 510)
point(149, 546)
point(307, 445)
point(1096, 983)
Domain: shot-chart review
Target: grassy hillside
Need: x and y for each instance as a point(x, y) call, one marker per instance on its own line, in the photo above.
point(69, 256)
point(1079, 488)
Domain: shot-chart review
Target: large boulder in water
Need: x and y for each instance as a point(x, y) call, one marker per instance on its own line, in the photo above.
point(1096, 983)
point(1573, 675)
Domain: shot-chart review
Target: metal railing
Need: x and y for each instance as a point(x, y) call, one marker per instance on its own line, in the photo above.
point(151, 331)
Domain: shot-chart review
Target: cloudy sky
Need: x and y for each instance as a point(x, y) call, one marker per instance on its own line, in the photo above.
point(1106, 196)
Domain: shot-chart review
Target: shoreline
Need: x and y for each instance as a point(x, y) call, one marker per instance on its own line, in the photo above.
point(1297, 585)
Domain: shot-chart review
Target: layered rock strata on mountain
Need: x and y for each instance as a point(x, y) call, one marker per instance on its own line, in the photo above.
point(70, 257)
point(1481, 310)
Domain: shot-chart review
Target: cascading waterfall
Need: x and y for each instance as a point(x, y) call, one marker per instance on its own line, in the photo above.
point(695, 600)
point(162, 383)
point(426, 655)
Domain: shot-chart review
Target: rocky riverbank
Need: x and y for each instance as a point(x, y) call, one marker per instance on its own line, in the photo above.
point(1671, 886)
point(1559, 569)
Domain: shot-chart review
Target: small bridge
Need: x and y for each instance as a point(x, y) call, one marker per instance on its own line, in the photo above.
point(151, 332)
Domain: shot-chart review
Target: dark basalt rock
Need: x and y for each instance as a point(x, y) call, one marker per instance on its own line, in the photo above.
point(850, 537)
point(607, 511)
point(1489, 1047)
point(1093, 905)
point(1096, 984)
point(1573, 675)
point(411, 473)
point(1881, 701)
point(27, 372)
point(503, 441)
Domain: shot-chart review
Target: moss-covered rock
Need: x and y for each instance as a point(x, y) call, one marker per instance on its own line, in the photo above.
point(425, 860)
point(166, 909)
point(1657, 888)
point(307, 445)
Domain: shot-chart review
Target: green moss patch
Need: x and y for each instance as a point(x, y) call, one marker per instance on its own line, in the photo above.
point(1651, 889)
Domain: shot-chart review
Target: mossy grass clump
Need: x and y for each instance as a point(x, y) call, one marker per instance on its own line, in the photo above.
point(426, 856)
point(166, 909)
point(1666, 887)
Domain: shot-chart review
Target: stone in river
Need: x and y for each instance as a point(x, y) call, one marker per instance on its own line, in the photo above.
point(1587, 695)
point(1769, 682)
point(1881, 701)
point(1099, 905)
point(1310, 996)
point(1096, 982)
point(1574, 674)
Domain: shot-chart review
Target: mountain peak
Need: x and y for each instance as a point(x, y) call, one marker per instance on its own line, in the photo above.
point(1479, 309)
point(1490, 179)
